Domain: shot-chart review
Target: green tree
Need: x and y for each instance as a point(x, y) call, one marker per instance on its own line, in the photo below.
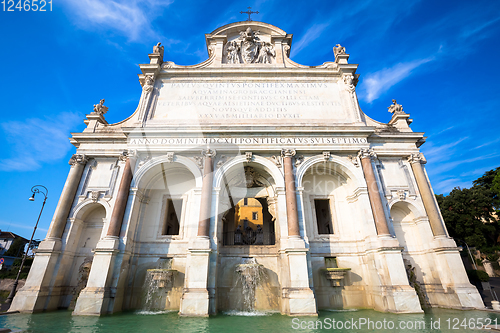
point(16, 248)
point(471, 214)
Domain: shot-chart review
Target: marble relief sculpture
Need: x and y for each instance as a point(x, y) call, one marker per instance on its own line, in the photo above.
point(248, 48)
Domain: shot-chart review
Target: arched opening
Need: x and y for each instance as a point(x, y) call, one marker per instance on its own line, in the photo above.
point(248, 201)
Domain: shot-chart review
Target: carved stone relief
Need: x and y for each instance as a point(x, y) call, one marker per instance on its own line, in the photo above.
point(248, 49)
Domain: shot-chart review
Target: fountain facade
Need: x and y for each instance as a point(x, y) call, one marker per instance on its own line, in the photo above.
point(160, 292)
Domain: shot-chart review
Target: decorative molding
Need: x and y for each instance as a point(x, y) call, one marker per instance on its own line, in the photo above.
point(199, 161)
point(123, 156)
point(354, 160)
point(348, 80)
point(277, 160)
point(170, 157)
point(249, 156)
point(144, 160)
point(78, 159)
point(326, 156)
point(149, 82)
point(402, 194)
point(299, 159)
point(95, 195)
point(222, 160)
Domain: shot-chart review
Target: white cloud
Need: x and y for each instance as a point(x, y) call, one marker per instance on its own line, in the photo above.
point(311, 35)
point(36, 141)
point(132, 19)
point(375, 84)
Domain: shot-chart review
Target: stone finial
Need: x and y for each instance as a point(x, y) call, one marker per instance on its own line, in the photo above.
point(78, 159)
point(100, 109)
point(287, 152)
point(367, 153)
point(396, 108)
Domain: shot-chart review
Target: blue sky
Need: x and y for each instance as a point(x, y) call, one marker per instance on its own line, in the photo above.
point(439, 59)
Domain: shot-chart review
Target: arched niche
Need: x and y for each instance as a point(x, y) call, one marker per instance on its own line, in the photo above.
point(166, 191)
point(240, 180)
point(326, 187)
point(404, 217)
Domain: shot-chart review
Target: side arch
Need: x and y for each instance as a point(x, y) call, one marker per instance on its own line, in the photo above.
point(269, 166)
point(186, 162)
point(346, 168)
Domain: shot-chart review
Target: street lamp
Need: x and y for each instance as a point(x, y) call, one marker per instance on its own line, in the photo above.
point(35, 189)
point(470, 254)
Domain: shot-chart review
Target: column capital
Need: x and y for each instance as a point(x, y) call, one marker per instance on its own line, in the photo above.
point(209, 152)
point(367, 153)
point(78, 159)
point(288, 152)
point(417, 158)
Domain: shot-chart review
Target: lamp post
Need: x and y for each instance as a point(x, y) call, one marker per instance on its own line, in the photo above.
point(35, 189)
point(470, 254)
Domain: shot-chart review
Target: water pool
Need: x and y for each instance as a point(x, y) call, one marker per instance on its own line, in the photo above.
point(437, 320)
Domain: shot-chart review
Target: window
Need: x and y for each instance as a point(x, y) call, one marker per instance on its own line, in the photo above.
point(172, 217)
point(255, 216)
point(245, 202)
point(323, 216)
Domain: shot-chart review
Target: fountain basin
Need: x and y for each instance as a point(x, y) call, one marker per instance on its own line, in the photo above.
point(335, 275)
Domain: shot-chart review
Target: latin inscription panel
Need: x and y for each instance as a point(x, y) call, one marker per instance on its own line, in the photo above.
point(248, 102)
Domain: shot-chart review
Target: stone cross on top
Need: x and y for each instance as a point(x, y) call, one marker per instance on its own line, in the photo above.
point(249, 12)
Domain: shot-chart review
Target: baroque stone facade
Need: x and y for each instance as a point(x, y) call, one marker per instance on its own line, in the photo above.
point(247, 158)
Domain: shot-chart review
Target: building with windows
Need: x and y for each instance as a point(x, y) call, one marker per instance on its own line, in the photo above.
point(247, 158)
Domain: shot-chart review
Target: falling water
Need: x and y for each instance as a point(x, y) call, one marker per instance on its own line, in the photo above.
point(158, 281)
point(250, 276)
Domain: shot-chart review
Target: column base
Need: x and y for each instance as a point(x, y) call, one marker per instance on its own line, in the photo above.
point(92, 302)
point(34, 296)
point(300, 301)
point(397, 299)
point(195, 303)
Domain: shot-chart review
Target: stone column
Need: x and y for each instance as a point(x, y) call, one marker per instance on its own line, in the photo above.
point(373, 191)
point(206, 194)
point(427, 195)
point(77, 163)
point(100, 295)
point(115, 222)
point(291, 198)
point(196, 299)
point(39, 293)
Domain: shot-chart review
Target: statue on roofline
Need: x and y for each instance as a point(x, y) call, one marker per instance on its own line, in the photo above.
point(395, 108)
point(100, 108)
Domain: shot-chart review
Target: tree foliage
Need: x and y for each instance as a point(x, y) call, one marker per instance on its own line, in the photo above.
point(472, 214)
point(16, 248)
